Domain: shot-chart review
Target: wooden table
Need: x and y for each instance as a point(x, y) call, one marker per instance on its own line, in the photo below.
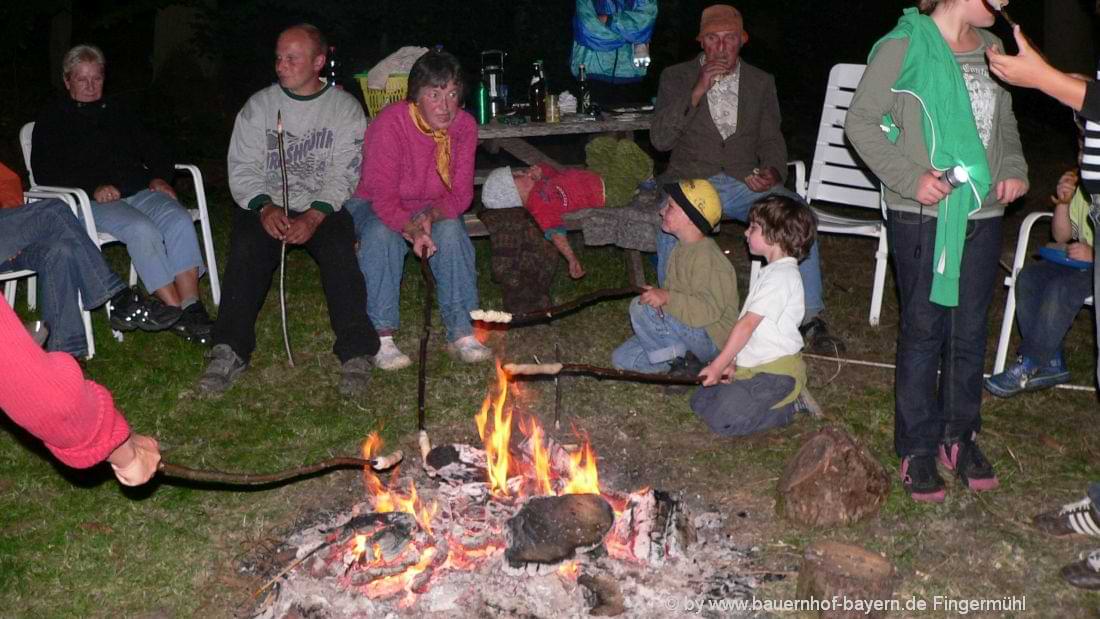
point(514, 139)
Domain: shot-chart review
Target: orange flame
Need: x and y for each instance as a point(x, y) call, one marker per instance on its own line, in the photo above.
point(584, 477)
point(569, 570)
point(542, 459)
point(496, 443)
point(388, 500)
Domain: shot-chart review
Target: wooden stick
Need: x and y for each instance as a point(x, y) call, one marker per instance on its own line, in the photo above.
point(557, 389)
point(252, 479)
point(553, 369)
point(425, 333)
point(282, 251)
point(549, 313)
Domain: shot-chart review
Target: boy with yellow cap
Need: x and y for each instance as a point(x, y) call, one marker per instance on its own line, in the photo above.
point(684, 322)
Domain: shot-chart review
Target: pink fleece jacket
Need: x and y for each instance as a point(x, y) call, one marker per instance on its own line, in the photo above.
point(47, 395)
point(399, 178)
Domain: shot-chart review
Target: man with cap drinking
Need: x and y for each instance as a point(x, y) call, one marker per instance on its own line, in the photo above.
point(720, 118)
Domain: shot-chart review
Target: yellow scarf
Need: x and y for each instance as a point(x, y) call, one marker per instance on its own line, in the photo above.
point(442, 145)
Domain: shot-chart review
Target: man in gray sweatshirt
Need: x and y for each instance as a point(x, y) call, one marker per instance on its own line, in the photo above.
point(323, 134)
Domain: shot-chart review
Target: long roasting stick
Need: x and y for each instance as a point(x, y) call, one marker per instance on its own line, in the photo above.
point(282, 252)
point(252, 479)
point(553, 369)
point(425, 333)
point(548, 313)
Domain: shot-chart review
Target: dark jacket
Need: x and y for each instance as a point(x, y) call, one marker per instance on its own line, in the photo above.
point(86, 145)
point(698, 150)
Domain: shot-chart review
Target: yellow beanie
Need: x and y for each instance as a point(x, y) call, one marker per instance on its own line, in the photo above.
point(699, 200)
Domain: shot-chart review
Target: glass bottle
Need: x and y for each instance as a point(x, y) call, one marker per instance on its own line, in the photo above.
point(536, 94)
point(584, 97)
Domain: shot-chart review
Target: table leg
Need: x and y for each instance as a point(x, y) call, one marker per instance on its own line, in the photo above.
point(635, 270)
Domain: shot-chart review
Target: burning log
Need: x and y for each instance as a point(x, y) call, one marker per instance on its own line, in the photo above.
point(549, 313)
point(549, 530)
point(832, 480)
point(650, 527)
point(456, 464)
point(832, 570)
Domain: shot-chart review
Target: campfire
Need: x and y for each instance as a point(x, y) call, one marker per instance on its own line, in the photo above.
point(521, 507)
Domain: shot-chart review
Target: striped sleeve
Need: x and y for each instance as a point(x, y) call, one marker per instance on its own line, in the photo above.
point(1090, 159)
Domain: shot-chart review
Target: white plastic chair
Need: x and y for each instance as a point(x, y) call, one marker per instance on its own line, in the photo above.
point(839, 177)
point(1010, 282)
point(200, 214)
point(11, 278)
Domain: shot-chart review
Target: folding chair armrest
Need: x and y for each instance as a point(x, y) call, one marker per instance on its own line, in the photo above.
point(1025, 236)
point(200, 187)
point(800, 183)
point(77, 199)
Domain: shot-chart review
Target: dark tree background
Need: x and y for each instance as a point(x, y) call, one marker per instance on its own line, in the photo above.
point(193, 94)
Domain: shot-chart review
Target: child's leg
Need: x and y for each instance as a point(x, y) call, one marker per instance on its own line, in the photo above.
point(664, 338)
point(1048, 298)
point(630, 355)
point(744, 407)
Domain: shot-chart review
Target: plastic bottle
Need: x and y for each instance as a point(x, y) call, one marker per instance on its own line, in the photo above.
point(484, 112)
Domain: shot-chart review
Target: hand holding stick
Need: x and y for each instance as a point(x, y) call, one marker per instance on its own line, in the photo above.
point(549, 313)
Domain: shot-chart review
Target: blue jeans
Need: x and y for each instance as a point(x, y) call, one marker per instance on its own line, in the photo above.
point(46, 237)
point(658, 340)
point(158, 233)
point(737, 198)
point(745, 407)
point(1048, 297)
point(382, 260)
point(932, 338)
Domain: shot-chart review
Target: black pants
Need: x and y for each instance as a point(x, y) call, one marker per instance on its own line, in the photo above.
point(253, 260)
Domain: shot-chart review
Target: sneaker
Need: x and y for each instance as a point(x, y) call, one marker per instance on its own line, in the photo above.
point(687, 366)
point(222, 371)
point(195, 325)
point(818, 339)
point(131, 310)
point(1073, 518)
point(355, 376)
point(921, 479)
point(1026, 375)
point(389, 357)
point(470, 350)
point(1084, 574)
point(969, 463)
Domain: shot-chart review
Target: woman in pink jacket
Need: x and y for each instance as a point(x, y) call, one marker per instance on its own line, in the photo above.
point(417, 181)
point(47, 395)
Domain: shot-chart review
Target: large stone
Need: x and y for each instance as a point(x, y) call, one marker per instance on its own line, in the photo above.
point(832, 480)
point(551, 529)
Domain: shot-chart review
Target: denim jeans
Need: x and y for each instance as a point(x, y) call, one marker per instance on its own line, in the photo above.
point(158, 233)
point(737, 198)
point(745, 407)
point(1048, 298)
point(45, 236)
point(253, 261)
point(932, 338)
point(658, 340)
point(382, 261)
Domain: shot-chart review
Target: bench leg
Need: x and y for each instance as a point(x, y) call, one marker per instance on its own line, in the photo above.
point(635, 271)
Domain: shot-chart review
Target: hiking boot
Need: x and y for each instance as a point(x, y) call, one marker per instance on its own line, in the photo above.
point(389, 357)
point(470, 350)
point(688, 367)
point(818, 340)
point(39, 332)
point(921, 479)
point(130, 310)
point(1026, 375)
point(1079, 518)
point(195, 325)
point(222, 371)
point(969, 463)
point(355, 376)
point(1084, 574)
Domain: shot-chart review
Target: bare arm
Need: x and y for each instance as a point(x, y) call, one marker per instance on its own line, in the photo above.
point(1029, 69)
point(739, 336)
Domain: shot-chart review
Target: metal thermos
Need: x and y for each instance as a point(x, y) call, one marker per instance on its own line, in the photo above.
point(492, 75)
point(484, 112)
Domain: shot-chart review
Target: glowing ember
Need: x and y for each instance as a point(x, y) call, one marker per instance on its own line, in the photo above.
point(569, 570)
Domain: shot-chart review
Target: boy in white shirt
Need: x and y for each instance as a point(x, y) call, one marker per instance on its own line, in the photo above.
point(753, 383)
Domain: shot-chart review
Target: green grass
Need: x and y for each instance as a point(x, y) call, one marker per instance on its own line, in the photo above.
point(75, 543)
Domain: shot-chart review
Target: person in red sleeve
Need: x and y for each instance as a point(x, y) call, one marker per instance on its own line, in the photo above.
point(46, 394)
point(548, 194)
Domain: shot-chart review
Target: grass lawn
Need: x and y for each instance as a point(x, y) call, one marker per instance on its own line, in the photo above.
point(75, 543)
